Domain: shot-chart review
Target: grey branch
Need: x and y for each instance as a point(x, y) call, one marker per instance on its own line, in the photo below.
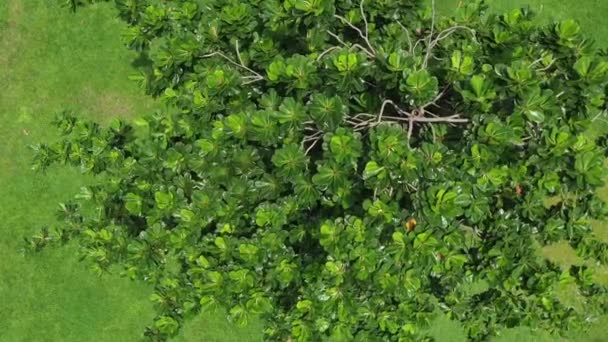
point(371, 55)
point(254, 77)
point(441, 36)
point(430, 37)
point(364, 35)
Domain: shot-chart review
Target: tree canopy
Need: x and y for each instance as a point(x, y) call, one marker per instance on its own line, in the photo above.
point(348, 170)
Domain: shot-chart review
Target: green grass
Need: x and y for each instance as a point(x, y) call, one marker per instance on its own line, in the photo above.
point(51, 60)
point(590, 13)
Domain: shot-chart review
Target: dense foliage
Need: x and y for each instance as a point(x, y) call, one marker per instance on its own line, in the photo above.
point(348, 170)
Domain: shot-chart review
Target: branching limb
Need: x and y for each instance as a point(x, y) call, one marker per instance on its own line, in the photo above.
point(433, 102)
point(441, 36)
point(254, 77)
point(366, 27)
point(409, 39)
point(314, 138)
point(367, 52)
point(322, 54)
point(430, 37)
point(314, 143)
point(383, 107)
point(370, 51)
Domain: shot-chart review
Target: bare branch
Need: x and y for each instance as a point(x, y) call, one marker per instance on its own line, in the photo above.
point(312, 146)
point(447, 32)
point(536, 62)
point(441, 36)
point(409, 39)
point(344, 20)
point(430, 37)
point(365, 36)
point(366, 27)
point(255, 77)
point(327, 51)
point(362, 114)
point(448, 119)
point(410, 129)
point(437, 98)
point(313, 137)
point(382, 108)
point(371, 55)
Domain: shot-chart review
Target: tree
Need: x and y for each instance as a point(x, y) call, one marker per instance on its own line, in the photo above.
point(346, 170)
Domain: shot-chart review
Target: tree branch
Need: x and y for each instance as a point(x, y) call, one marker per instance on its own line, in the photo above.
point(441, 36)
point(430, 37)
point(255, 77)
point(365, 36)
point(371, 55)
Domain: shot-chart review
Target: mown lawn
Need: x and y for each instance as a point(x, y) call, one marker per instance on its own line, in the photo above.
point(590, 13)
point(51, 60)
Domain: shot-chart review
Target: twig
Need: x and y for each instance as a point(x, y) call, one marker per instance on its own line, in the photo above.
point(547, 67)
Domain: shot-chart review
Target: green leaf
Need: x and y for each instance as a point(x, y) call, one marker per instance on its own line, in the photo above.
point(240, 315)
point(463, 64)
point(583, 65)
point(237, 125)
point(481, 87)
point(133, 203)
point(568, 29)
point(290, 161)
point(291, 112)
point(276, 69)
point(345, 146)
point(346, 62)
point(163, 200)
point(372, 169)
point(166, 325)
point(422, 86)
point(535, 116)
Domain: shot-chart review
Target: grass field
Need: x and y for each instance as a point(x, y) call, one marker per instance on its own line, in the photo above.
point(51, 60)
point(590, 13)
